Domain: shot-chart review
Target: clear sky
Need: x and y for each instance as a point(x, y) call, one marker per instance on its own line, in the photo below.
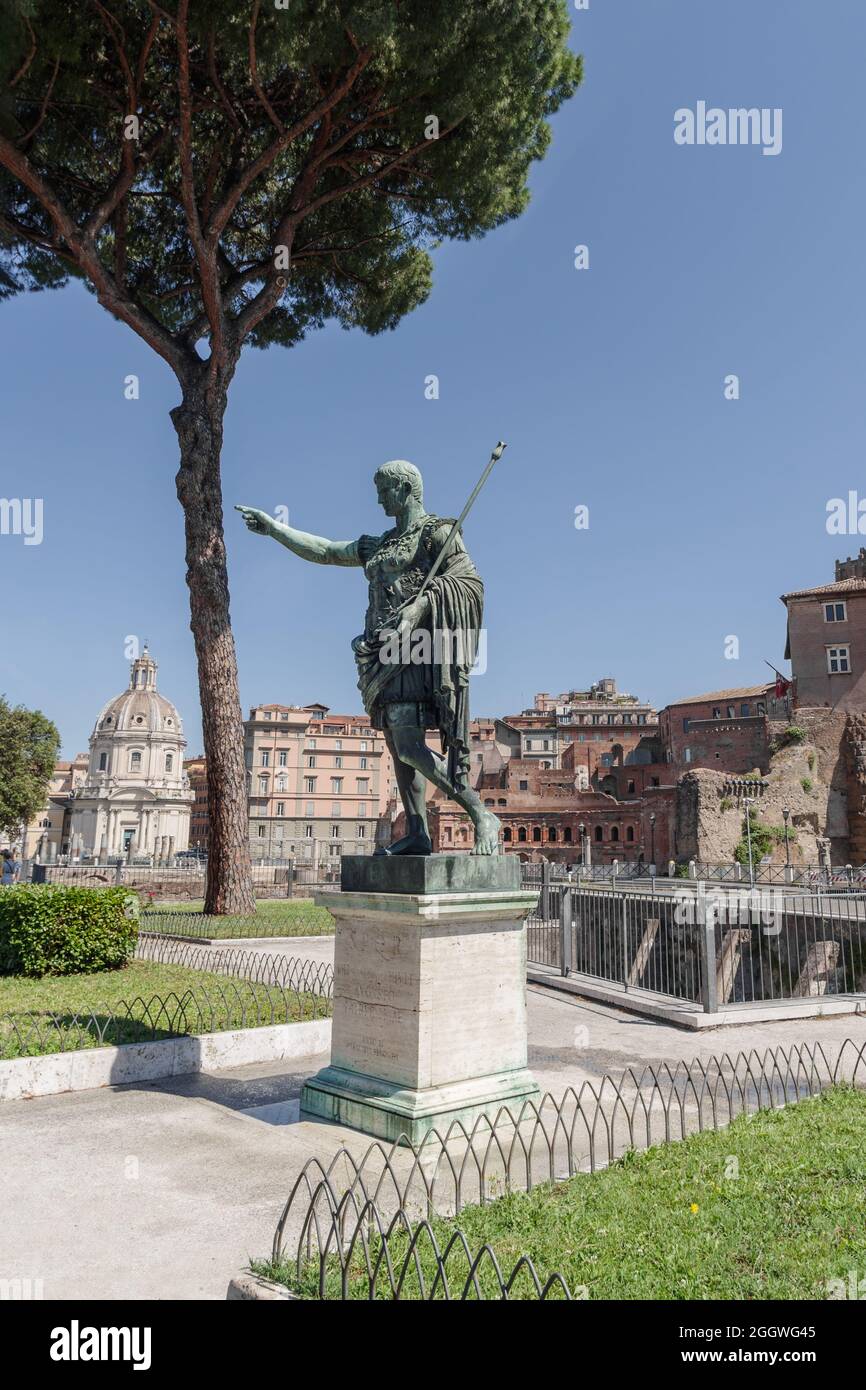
point(607, 383)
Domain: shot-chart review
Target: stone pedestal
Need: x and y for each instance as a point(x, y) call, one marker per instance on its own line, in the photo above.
point(429, 995)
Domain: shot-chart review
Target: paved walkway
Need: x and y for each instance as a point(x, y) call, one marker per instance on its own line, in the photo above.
point(165, 1189)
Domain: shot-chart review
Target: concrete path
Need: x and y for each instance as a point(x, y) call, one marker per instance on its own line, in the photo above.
point(165, 1189)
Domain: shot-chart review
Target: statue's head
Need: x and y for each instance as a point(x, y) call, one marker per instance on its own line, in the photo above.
point(395, 482)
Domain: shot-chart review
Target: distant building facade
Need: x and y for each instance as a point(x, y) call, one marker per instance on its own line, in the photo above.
point(318, 783)
point(827, 639)
point(199, 821)
point(135, 796)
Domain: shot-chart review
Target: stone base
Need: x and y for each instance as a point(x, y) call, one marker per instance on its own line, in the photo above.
point(429, 1019)
point(388, 1111)
point(429, 873)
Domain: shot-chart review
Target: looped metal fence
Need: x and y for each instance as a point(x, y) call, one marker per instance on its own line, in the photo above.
point(288, 972)
point(546, 1141)
point(156, 921)
point(374, 1257)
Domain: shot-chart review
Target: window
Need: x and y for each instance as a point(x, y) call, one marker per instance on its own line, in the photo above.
point(521, 834)
point(103, 761)
point(309, 809)
point(629, 833)
point(523, 785)
point(335, 832)
point(263, 786)
point(506, 834)
point(838, 660)
point(599, 833)
point(717, 712)
point(169, 762)
point(614, 832)
point(362, 832)
point(280, 784)
point(363, 785)
point(835, 613)
point(308, 832)
point(338, 761)
point(362, 809)
point(536, 834)
point(334, 851)
point(744, 710)
point(685, 726)
point(687, 755)
point(261, 832)
point(311, 760)
point(338, 743)
point(135, 762)
point(545, 744)
point(281, 808)
point(566, 834)
point(282, 757)
point(363, 745)
point(309, 784)
point(551, 834)
point(528, 743)
point(336, 784)
point(266, 758)
point(631, 784)
point(311, 743)
point(335, 809)
point(362, 763)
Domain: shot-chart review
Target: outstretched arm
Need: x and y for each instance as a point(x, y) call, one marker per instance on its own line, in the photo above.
point(309, 547)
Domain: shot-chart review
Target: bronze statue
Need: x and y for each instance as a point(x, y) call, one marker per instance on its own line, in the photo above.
point(418, 645)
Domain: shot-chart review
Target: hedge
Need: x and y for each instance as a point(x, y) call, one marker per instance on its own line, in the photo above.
point(47, 929)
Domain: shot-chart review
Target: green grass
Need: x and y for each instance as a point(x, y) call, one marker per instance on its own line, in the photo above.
point(273, 917)
point(189, 1002)
point(669, 1224)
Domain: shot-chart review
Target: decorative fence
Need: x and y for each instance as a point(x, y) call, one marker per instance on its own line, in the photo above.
point(715, 948)
point(256, 992)
point(202, 926)
point(187, 880)
point(339, 1216)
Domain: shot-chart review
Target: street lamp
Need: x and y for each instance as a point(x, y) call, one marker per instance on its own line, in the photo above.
point(785, 814)
point(653, 838)
point(581, 830)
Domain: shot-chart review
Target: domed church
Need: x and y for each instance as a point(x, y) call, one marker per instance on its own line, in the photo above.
point(136, 795)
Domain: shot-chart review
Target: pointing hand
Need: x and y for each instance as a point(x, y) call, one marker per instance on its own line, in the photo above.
point(256, 521)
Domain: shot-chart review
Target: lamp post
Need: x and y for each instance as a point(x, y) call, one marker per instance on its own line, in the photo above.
point(581, 830)
point(652, 840)
point(785, 814)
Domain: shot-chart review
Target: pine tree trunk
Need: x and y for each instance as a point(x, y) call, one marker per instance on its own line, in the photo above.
point(199, 424)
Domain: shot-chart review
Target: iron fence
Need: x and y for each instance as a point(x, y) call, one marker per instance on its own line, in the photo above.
point(255, 994)
point(711, 946)
point(288, 972)
point(398, 1259)
point(350, 1200)
point(203, 926)
point(167, 881)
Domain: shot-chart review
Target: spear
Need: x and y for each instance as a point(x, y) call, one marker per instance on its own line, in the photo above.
point(434, 568)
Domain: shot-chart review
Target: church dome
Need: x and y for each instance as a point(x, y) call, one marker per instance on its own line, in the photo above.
point(140, 708)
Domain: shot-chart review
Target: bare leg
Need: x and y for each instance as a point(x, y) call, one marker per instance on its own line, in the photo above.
point(410, 785)
point(411, 748)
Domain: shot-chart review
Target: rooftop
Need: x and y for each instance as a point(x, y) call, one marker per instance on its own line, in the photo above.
point(740, 692)
point(841, 586)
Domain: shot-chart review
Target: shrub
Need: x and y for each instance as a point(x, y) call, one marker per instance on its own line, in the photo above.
point(725, 804)
point(52, 930)
point(789, 736)
point(806, 784)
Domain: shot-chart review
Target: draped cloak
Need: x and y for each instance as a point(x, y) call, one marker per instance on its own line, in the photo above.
point(395, 566)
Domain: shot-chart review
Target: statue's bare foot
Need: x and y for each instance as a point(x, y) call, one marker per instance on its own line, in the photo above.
point(417, 843)
point(487, 829)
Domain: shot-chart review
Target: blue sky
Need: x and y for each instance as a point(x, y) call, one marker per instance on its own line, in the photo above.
point(606, 383)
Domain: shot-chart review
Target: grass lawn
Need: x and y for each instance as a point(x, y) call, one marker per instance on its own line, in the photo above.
point(671, 1223)
point(152, 1000)
point(274, 917)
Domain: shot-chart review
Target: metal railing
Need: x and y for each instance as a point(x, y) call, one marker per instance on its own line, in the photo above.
point(207, 927)
point(187, 880)
point(711, 946)
point(332, 1206)
point(255, 994)
point(398, 1259)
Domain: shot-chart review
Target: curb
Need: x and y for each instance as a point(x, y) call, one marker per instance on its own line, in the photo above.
point(253, 1287)
point(23, 1078)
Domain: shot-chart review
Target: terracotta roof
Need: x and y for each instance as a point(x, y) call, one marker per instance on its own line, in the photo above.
point(842, 586)
point(739, 692)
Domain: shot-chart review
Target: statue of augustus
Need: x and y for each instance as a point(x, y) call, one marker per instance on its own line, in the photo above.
point(417, 648)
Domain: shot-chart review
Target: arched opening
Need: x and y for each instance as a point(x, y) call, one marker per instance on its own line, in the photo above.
point(506, 834)
point(521, 834)
point(551, 834)
point(536, 834)
point(629, 832)
point(566, 834)
point(598, 834)
point(614, 832)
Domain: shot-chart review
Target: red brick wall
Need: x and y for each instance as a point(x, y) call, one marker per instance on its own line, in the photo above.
point(809, 637)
